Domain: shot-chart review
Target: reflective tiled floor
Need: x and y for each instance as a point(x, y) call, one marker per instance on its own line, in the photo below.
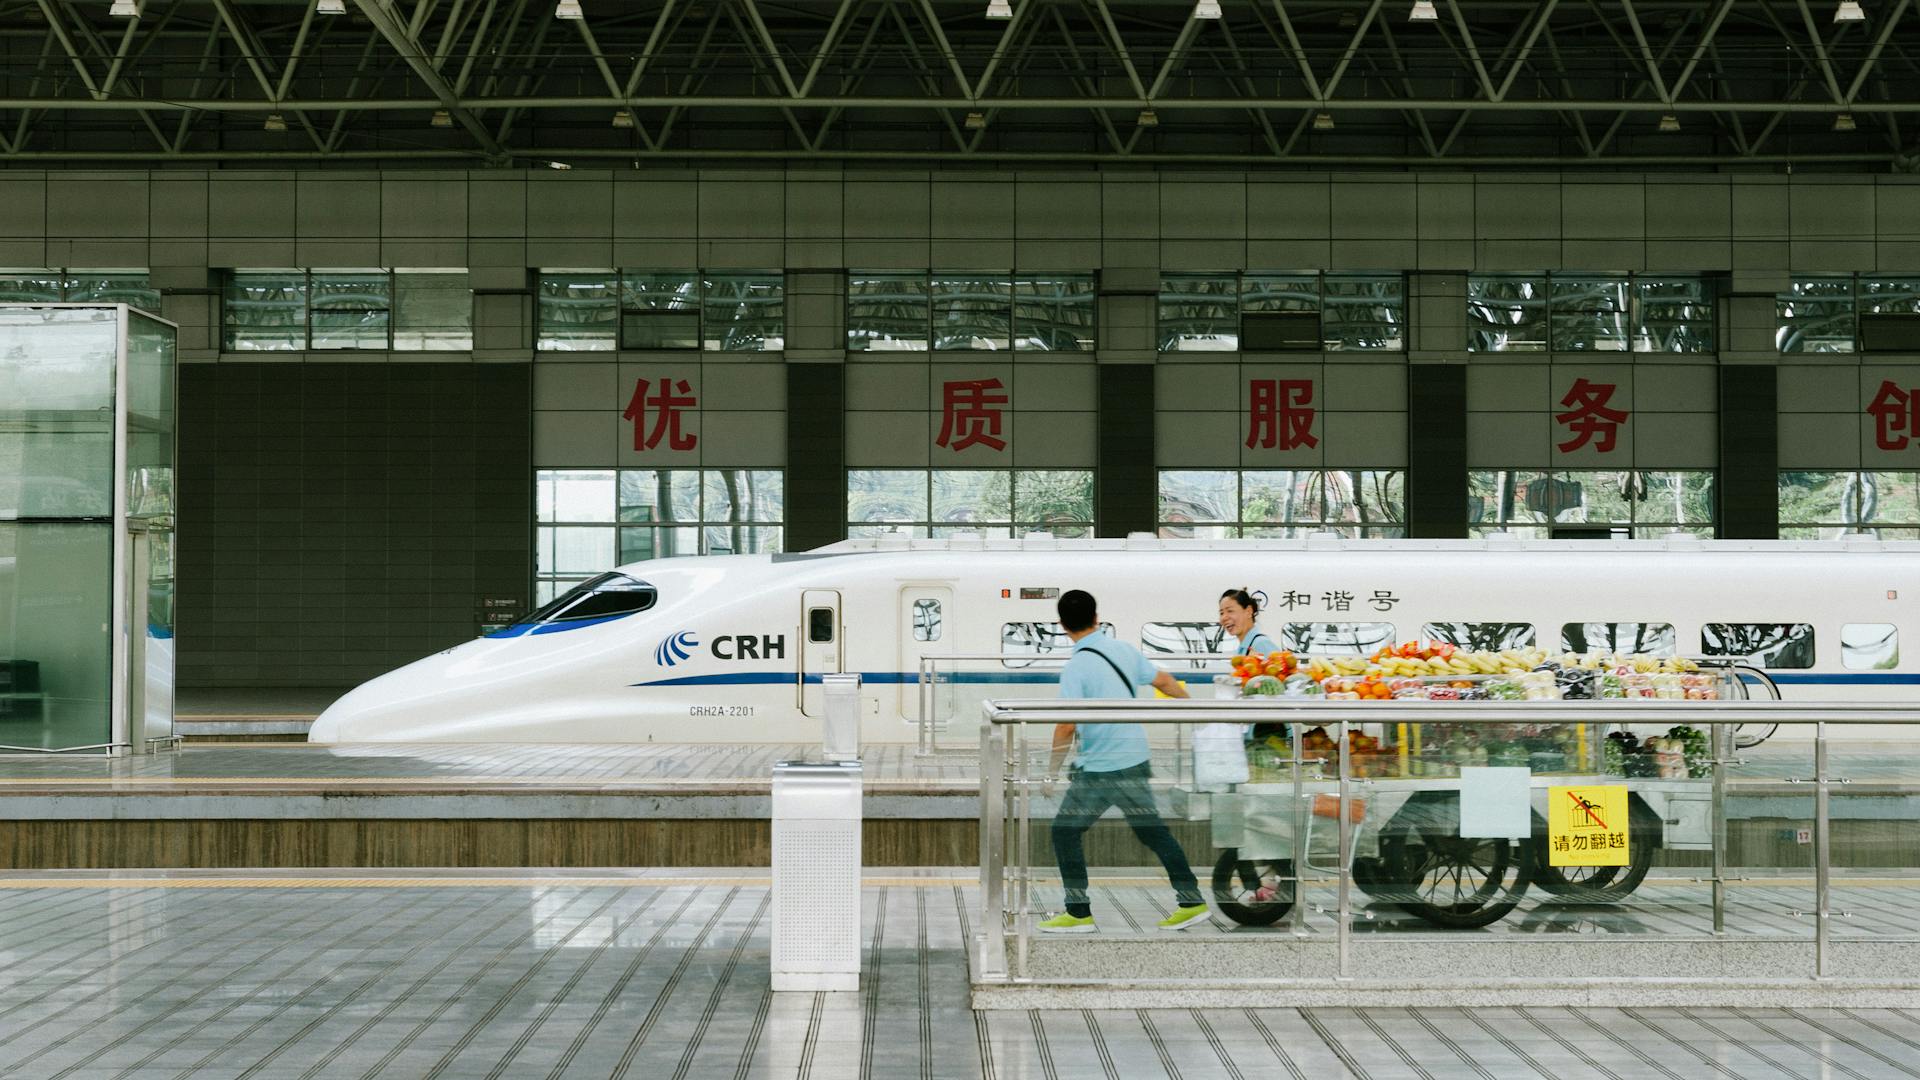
point(656, 976)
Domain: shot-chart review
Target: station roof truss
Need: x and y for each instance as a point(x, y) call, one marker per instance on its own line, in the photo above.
point(1629, 84)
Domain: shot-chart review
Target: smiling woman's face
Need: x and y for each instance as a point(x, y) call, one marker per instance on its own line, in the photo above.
point(1234, 619)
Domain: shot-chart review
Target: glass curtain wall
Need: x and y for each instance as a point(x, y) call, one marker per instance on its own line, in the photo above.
point(1829, 505)
point(590, 520)
point(1632, 313)
point(325, 310)
point(1222, 504)
point(1539, 504)
point(675, 310)
point(990, 503)
point(983, 312)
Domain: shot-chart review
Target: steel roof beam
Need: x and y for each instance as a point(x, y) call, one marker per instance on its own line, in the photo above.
point(415, 56)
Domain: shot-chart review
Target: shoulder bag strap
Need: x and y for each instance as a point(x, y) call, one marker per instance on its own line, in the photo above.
point(1131, 692)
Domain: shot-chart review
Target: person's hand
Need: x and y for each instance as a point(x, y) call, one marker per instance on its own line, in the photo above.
point(1049, 784)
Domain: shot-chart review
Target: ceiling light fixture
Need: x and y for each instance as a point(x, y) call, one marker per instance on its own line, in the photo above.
point(275, 122)
point(1206, 9)
point(1669, 122)
point(999, 9)
point(560, 165)
point(622, 118)
point(124, 9)
point(1849, 11)
point(331, 7)
point(568, 9)
point(441, 118)
point(1323, 122)
point(976, 121)
point(1423, 11)
point(1843, 122)
point(1147, 118)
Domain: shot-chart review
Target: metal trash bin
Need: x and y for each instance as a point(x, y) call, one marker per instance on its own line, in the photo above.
point(840, 717)
point(816, 876)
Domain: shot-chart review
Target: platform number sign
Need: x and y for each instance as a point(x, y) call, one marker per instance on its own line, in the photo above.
point(1587, 826)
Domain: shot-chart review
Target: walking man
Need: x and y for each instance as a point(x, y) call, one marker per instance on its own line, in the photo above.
point(1112, 770)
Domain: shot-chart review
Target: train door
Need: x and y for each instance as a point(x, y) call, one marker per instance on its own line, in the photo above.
point(822, 652)
point(926, 629)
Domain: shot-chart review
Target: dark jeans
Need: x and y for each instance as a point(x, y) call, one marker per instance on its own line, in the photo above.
point(1088, 797)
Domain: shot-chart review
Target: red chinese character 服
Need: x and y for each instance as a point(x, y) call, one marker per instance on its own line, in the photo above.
point(1278, 417)
point(971, 411)
point(1589, 416)
point(1896, 416)
point(667, 405)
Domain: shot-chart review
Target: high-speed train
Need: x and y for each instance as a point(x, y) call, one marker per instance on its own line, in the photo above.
point(733, 648)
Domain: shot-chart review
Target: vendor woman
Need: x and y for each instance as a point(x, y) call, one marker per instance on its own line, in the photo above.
point(1238, 609)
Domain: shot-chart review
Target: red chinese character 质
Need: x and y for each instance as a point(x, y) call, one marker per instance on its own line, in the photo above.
point(969, 407)
point(674, 397)
point(1896, 416)
point(1589, 416)
point(1278, 417)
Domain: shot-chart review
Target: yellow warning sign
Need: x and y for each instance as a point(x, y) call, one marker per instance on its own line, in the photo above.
point(1587, 826)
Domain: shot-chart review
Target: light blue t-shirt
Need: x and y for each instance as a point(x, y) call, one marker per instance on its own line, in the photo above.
point(1259, 643)
point(1106, 747)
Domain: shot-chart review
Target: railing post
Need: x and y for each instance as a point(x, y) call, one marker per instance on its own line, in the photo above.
point(1298, 916)
point(993, 839)
point(1345, 862)
point(1822, 854)
point(1023, 869)
point(1719, 827)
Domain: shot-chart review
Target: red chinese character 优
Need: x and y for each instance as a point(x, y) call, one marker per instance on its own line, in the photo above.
point(971, 410)
point(674, 397)
point(1588, 416)
point(1278, 417)
point(1896, 416)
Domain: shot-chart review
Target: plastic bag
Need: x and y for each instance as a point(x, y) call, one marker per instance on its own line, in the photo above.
point(1219, 756)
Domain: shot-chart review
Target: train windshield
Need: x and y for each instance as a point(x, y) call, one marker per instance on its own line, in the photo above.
point(608, 596)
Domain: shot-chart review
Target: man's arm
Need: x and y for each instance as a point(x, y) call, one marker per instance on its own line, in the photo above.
point(1168, 685)
point(1062, 743)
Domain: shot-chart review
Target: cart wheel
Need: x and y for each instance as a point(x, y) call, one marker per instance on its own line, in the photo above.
point(1457, 882)
point(1237, 886)
point(1601, 884)
point(1370, 874)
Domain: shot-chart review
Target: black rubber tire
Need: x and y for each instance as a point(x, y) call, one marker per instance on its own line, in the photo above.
point(1601, 884)
point(1234, 882)
point(1421, 847)
point(1370, 876)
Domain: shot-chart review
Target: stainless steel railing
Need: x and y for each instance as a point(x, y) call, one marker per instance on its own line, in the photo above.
point(1007, 785)
point(929, 723)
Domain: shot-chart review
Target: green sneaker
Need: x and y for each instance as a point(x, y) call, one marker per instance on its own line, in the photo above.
point(1064, 923)
point(1185, 918)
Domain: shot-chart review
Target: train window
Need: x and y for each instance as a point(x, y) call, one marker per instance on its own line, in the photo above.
point(926, 620)
point(1039, 640)
point(1869, 646)
point(1771, 645)
point(1336, 638)
point(1173, 638)
point(602, 597)
point(1478, 636)
point(1654, 639)
point(819, 625)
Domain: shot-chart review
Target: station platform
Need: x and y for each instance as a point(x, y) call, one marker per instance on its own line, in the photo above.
point(602, 974)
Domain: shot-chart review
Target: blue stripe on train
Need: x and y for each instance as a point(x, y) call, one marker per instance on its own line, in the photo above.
point(983, 678)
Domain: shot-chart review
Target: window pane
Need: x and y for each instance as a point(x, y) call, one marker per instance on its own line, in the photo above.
point(1198, 496)
point(432, 312)
point(1181, 637)
point(1364, 312)
point(1336, 638)
point(660, 495)
point(266, 312)
point(33, 287)
point(1054, 313)
point(1869, 646)
point(1591, 497)
point(1281, 496)
point(659, 311)
point(637, 545)
point(1480, 636)
point(585, 549)
point(926, 620)
point(1816, 316)
point(1655, 639)
point(112, 287)
point(1895, 498)
point(744, 313)
point(744, 495)
point(1881, 295)
point(1037, 639)
point(1382, 496)
point(350, 310)
point(972, 312)
point(966, 495)
point(888, 312)
point(579, 312)
point(1501, 496)
point(56, 416)
point(1050, 498)
point(739, 539)
point(1680, 498)
point(1589, 313)
point(1815, 498)
point(1264, 293)
point(575, 494)
point(894, 532)
point(887, 495)
point(1506, 313)
point(1199, 314)
point(1771, 645)
point(1675, 315)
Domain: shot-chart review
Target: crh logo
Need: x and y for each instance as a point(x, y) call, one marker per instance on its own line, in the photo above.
point(675, 648)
